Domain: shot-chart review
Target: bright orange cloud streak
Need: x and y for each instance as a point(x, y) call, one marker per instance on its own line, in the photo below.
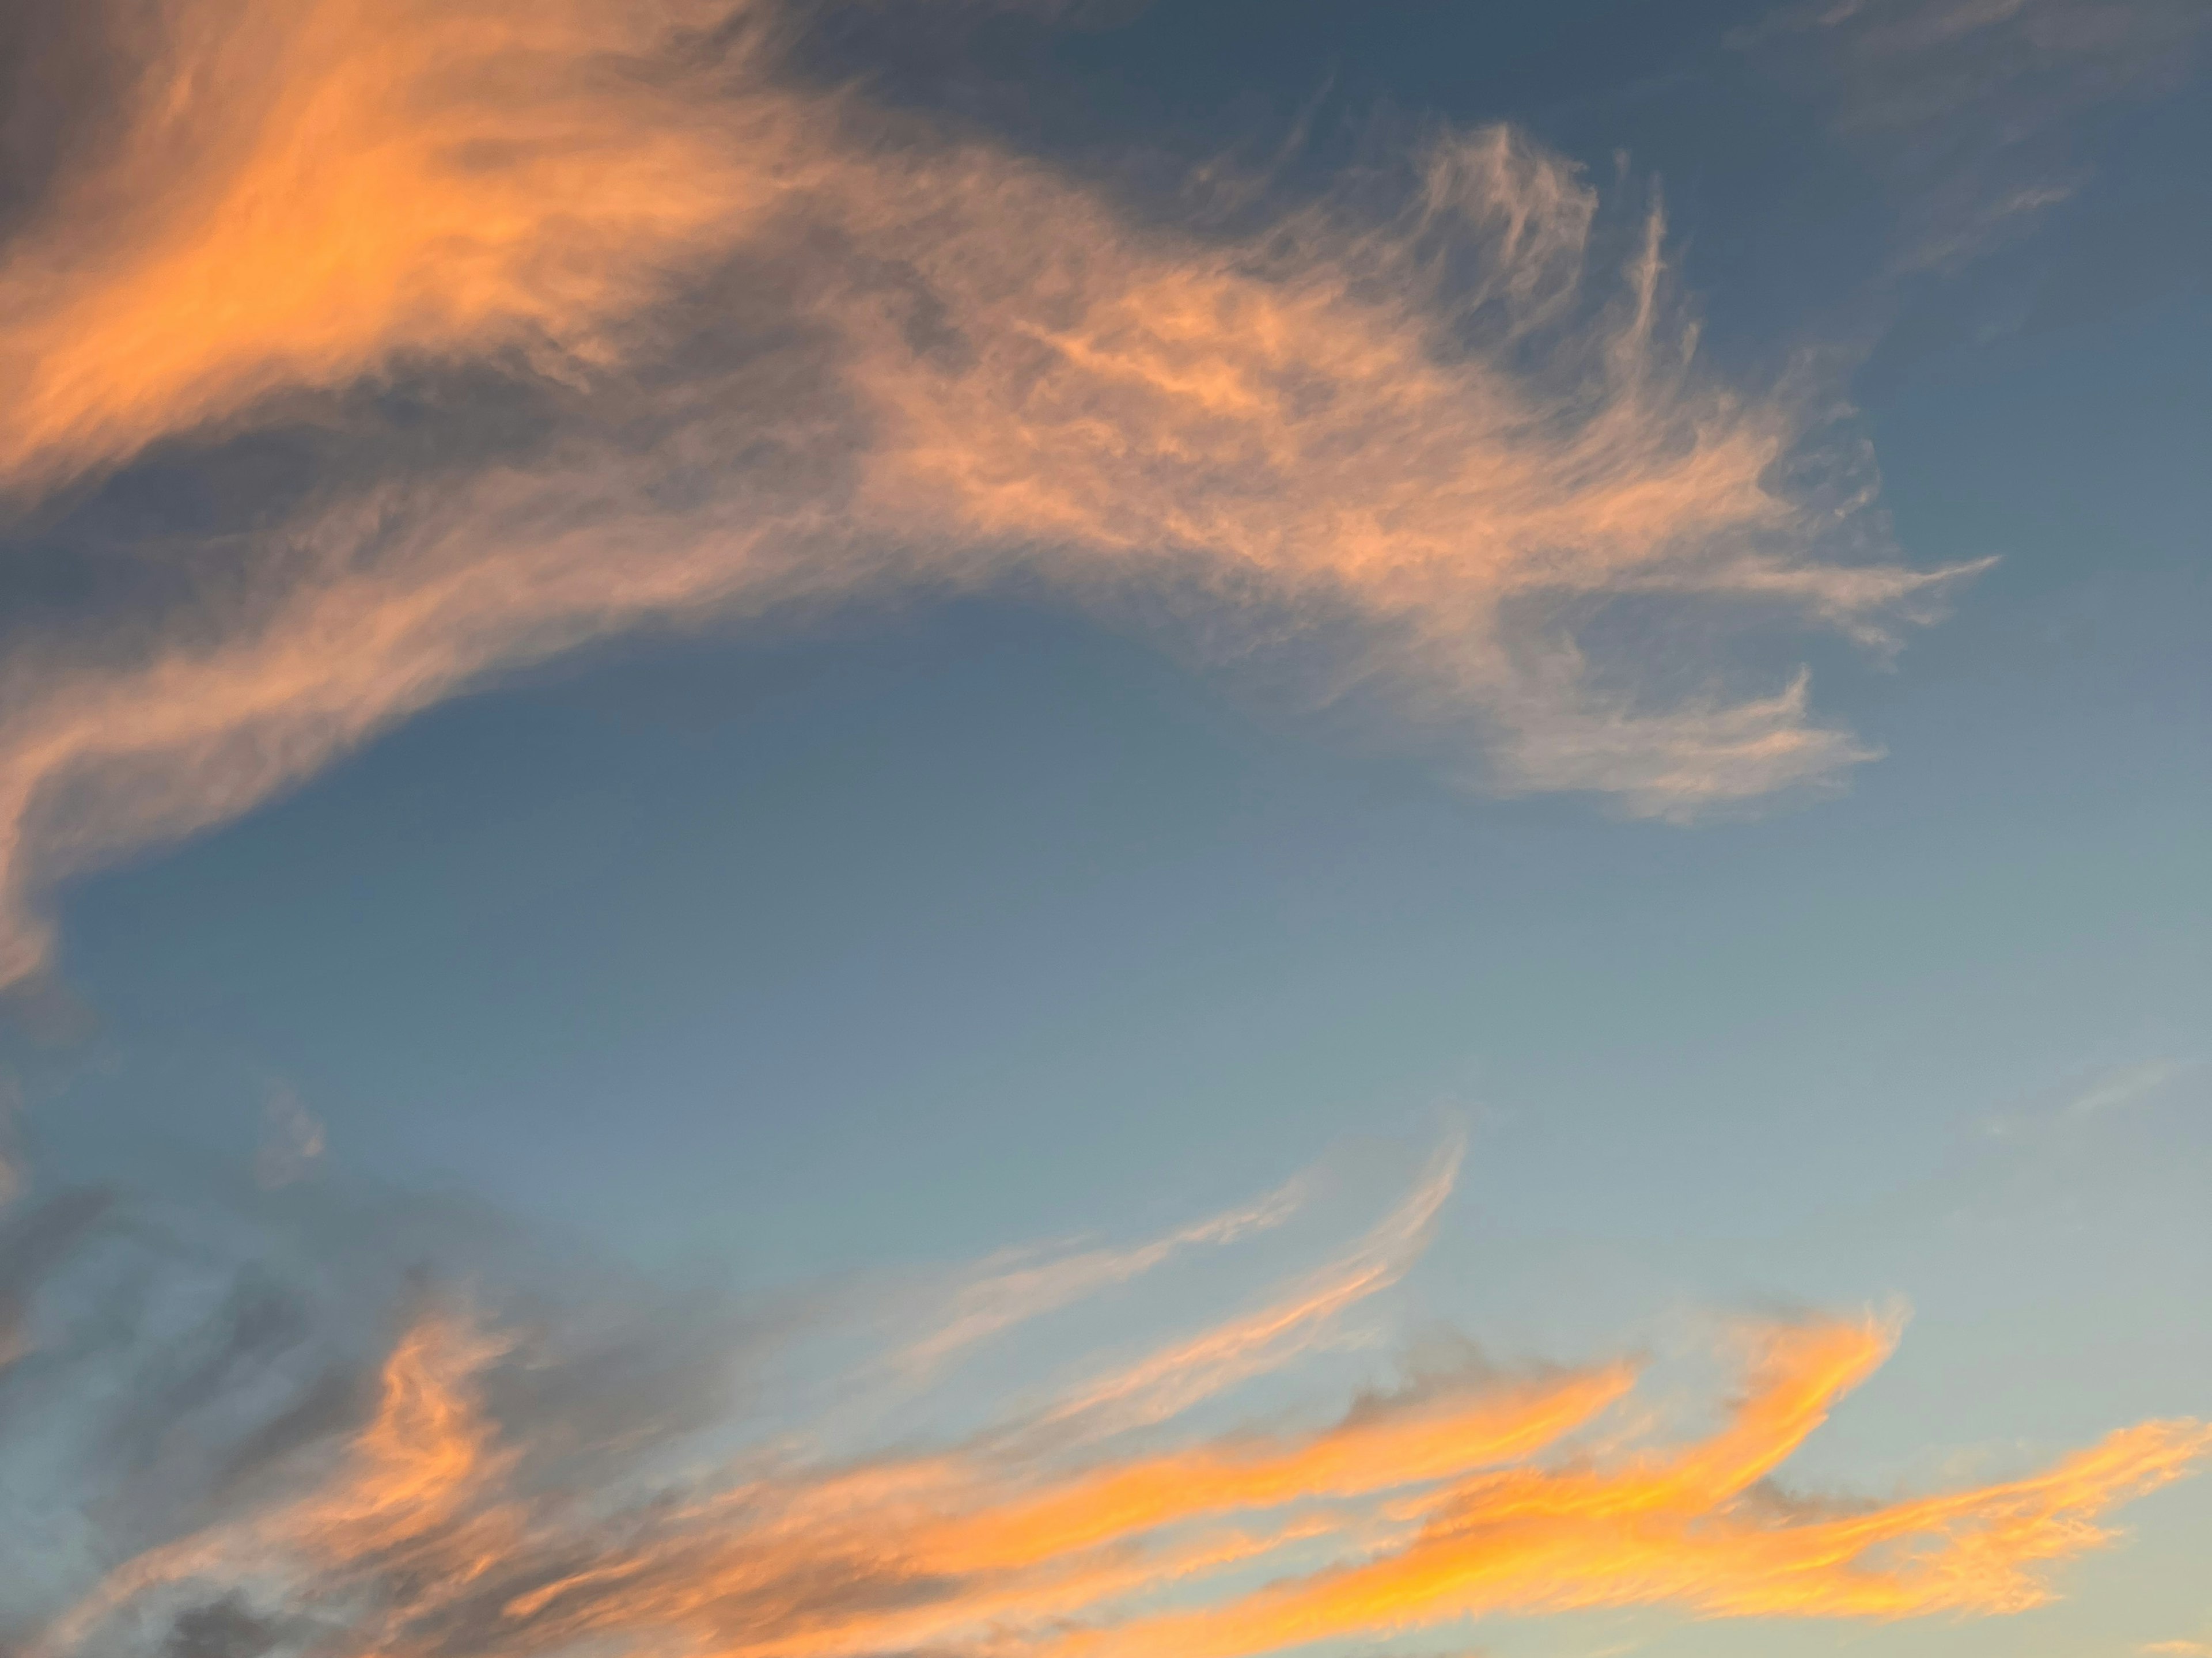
point(433, 1533)
point(307, 191)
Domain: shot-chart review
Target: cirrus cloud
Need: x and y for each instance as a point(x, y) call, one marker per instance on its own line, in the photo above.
point(772, 345)
point(459, 1500)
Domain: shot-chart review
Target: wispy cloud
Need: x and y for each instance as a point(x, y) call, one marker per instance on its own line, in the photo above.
point(1972, 108)
point(769, 344)
point(465, 1507)
point(2067, 1111)
point(1167, 1383)
point(2117, 1089)
point(1007, 1290)
point(292, 1140)
point(300, 195)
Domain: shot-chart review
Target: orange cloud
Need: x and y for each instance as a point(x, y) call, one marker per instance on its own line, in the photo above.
point(305, 191)
point(788, 347)
point(430, 1534)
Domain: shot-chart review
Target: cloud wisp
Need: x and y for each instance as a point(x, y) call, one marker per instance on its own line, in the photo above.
point(1973, 109)
point(456, 1501)
point(1007, 1290)
point(594, 317)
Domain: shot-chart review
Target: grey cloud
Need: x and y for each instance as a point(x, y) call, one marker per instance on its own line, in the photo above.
point(1973, 110)
point(182, 1360)
point(221, 1628)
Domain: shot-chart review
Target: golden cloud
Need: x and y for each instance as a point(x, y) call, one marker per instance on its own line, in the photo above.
point(436, 1529)
point(784, 345)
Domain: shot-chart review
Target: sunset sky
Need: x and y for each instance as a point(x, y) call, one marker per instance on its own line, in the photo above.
point(1105, 828)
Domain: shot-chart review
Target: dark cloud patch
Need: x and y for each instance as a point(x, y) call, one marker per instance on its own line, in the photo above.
point(60, 73)
point(221, 1628)
point(163, 1353)
point(182, 1361)
point(29, 1247)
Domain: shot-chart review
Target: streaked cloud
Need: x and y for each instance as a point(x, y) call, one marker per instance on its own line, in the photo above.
point(2117, 1089)
point(303, 194)
point(1972, 108)
point(2068, 1111)
point(1167, 1383)
point(462, 1506)
point(774, 346)
point(1007, 1290)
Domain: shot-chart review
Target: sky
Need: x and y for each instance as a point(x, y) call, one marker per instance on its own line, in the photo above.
point(1105, 828)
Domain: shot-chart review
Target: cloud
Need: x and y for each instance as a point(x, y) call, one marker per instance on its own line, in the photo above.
point(455, 1500)
point(1008, 1291)
point(579, 318)
point(13, 1177)
point(1974, 107)
point(304, 194)
point(291, 1140)
point(2063, 1114)
point(178, 1357)
point(1167, 1383)
point(2120, 1089)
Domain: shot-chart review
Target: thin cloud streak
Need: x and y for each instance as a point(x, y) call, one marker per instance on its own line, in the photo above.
point(1167, 1383)
point(446, 1522)
point(786, 348)
point(1007, 1291)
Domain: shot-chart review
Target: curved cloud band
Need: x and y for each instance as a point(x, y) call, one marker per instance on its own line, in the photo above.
point(772, 345)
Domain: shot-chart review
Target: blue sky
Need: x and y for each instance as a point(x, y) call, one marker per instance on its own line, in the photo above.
point(1003, 882)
